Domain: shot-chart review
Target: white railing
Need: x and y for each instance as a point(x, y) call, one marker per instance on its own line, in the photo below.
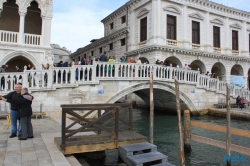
point(172, 43)
point(7, 36)
point(32, 39)
point(58, 77)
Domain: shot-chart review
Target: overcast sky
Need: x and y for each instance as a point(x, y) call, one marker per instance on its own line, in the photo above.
point(76, 22)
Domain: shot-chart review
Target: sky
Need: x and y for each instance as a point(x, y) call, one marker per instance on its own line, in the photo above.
point(76, 22)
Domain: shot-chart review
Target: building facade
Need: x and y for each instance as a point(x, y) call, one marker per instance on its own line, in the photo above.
point(25, 32)
point(202, 34)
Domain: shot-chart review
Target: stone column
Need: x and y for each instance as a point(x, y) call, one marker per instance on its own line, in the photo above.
point(46, 30)
point(244, 50)
point(21, 27)
point(185, 40)
point(227, 49)
point(208, 45)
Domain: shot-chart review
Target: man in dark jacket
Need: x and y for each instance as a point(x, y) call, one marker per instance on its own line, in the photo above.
point(25, 112)
point(14, 111)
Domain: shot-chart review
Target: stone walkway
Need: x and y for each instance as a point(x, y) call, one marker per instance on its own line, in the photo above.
point(237, 113)
point(39, 151)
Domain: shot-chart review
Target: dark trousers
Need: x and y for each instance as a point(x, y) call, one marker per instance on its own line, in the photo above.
point(27, 129)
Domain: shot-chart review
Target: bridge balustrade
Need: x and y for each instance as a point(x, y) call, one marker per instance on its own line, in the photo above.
point(76, 75)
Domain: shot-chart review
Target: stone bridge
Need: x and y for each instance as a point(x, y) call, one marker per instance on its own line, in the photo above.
point(110, 82)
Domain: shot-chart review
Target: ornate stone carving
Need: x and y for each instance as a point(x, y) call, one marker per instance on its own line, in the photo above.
point(144, 11)
point(49, 57)
point(76, 96)
point(237, 26)
point(197, 16)
point(172, 9)
point(217, 21)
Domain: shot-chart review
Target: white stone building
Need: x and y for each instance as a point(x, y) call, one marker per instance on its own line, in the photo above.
point(202, 34)
point(25, 31)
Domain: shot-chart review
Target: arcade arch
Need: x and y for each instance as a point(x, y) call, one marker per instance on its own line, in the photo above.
point(144, 60)
point(219, 70)
point(174, 61)
point(9, 17)
point(198, 64)
point(237, 70)
point(14, 58)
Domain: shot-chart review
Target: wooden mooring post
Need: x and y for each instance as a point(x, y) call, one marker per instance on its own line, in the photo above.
point(182, 156)
point(151, 109)
point(187, 135)
point(228, 139)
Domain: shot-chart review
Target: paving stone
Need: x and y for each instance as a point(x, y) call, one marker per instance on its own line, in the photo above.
point(13, 159)
point(43, 156)
point(13, 152)
point(27, 150)
point(29, 156)
point(30, 163)
point(61, 164)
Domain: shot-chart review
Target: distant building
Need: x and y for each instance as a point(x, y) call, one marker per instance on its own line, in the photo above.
point(203, 34)
point(60, 53)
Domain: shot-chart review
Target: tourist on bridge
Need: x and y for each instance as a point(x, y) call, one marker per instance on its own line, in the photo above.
point(23, 101)
point(103, 57)
point(123, 59)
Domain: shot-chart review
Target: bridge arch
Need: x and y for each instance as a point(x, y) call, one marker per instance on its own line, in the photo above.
point(157, 85)
point(174, 61)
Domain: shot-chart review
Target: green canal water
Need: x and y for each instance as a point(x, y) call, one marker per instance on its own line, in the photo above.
point(167, 140)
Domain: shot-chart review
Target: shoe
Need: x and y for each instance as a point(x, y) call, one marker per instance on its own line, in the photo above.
point(12, 136)
point(19, 136)
point(31, 137)
point(22, 138)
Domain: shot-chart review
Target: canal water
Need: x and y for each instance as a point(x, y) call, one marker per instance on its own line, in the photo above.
point(167, 140)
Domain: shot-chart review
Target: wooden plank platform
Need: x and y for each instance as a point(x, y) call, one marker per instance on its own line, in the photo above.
point(98, 142)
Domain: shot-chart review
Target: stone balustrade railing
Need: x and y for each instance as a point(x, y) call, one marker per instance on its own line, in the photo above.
point(91, 74)
point(8, 36)
point(32, 39)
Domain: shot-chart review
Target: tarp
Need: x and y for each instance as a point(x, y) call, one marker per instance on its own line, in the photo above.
point(237, 80)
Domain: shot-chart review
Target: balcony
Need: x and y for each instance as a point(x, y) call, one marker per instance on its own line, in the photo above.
point(173, 43)
point(13, 37)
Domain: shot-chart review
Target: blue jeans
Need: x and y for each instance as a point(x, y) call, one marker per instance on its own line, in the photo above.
point(13, 118)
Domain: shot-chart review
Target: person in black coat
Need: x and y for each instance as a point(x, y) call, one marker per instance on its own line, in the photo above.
point(25, 112)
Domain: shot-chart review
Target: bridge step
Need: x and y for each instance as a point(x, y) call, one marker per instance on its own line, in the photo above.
point(155, 157)
point(164, 164)
point(145, 147)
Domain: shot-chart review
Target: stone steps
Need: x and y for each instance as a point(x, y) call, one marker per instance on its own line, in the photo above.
point(141, 153)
